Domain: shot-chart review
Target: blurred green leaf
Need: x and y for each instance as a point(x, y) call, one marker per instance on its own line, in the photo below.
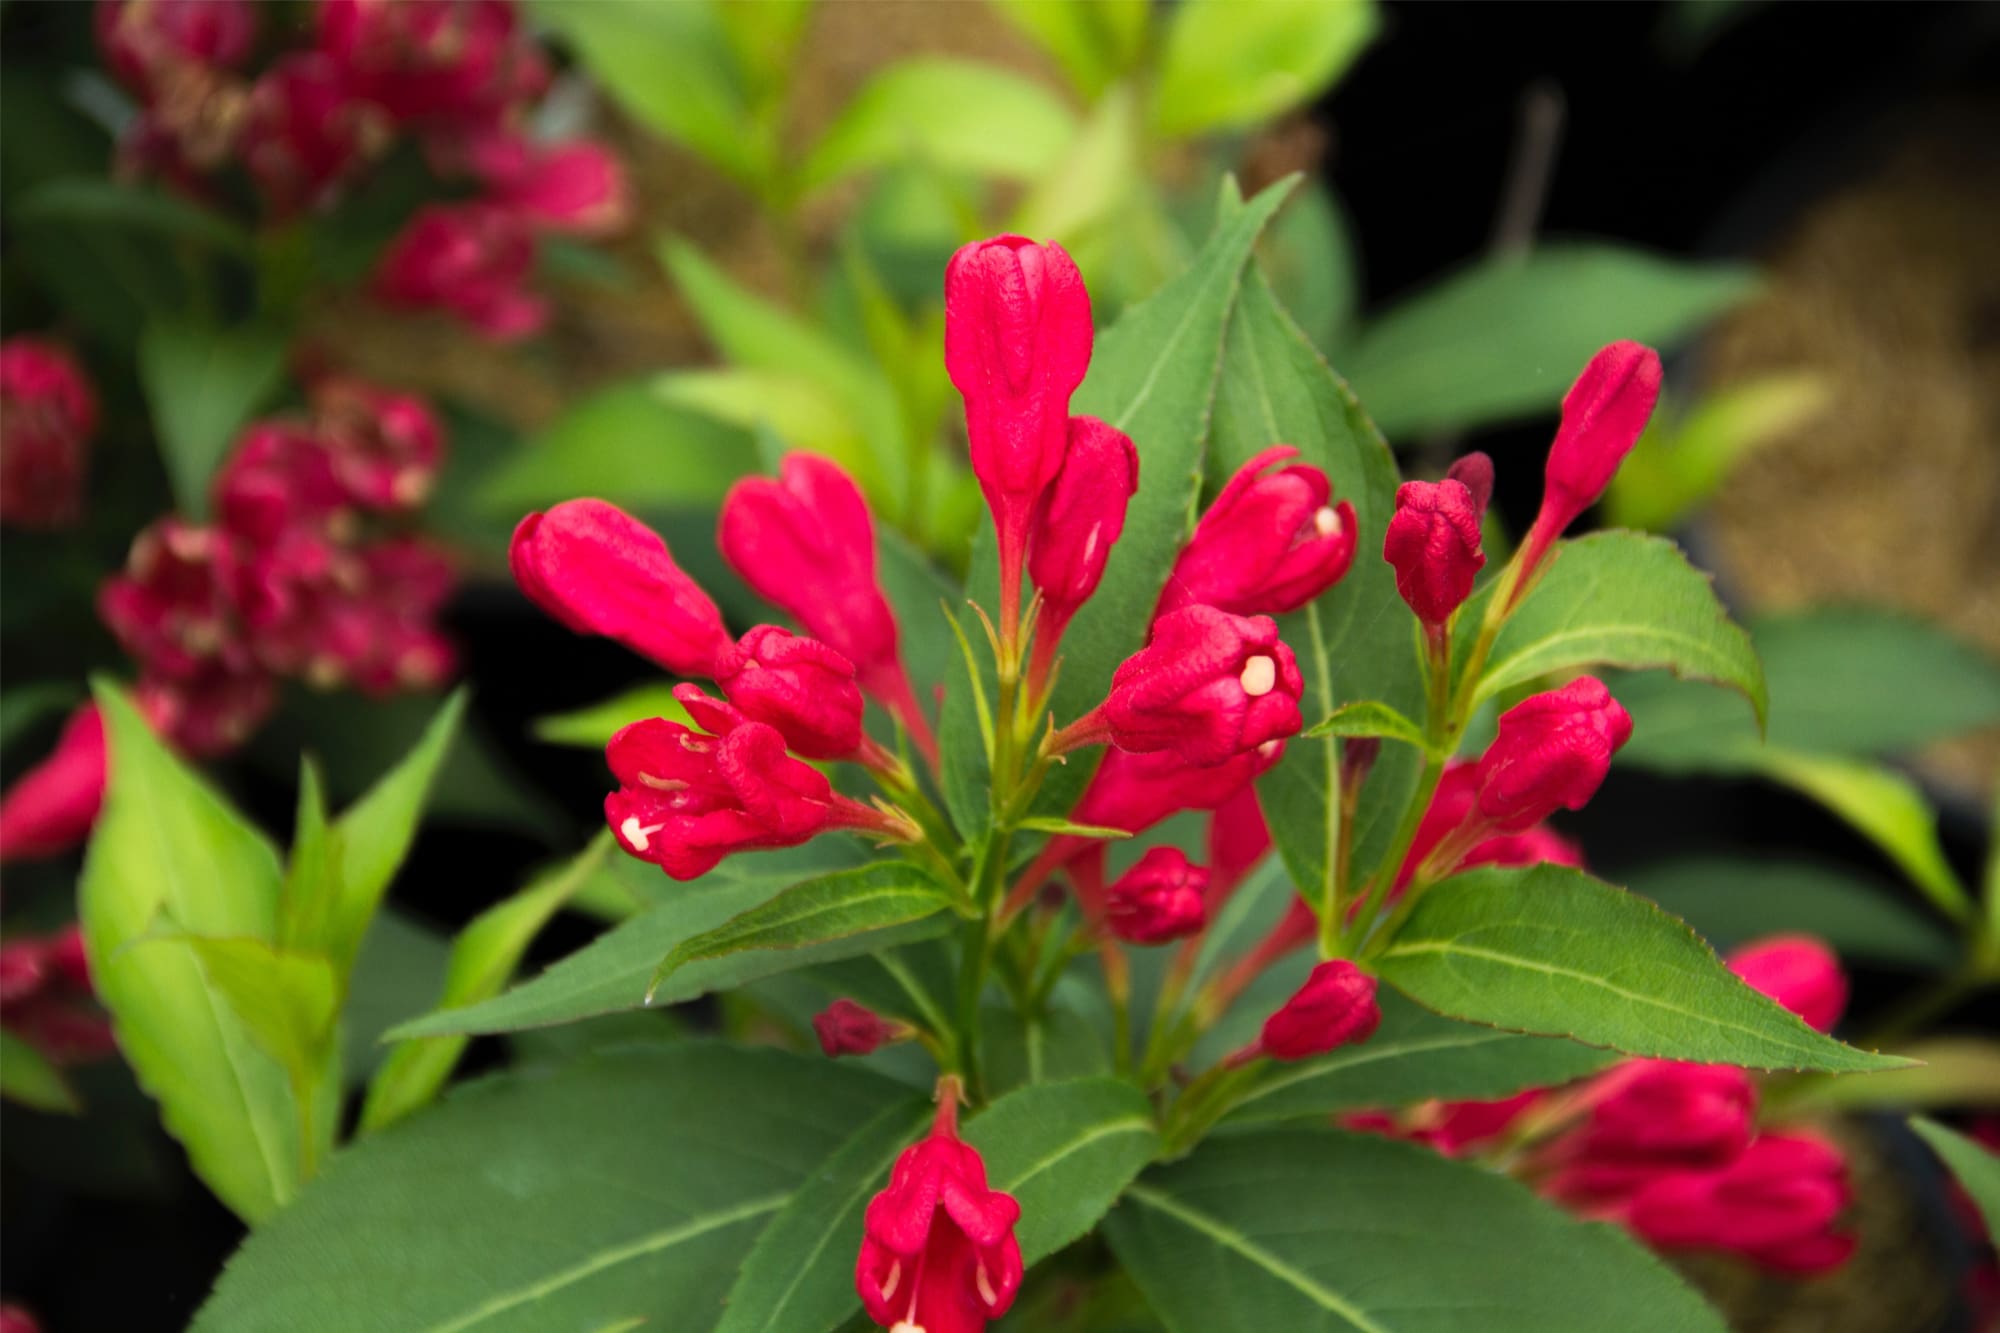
point(1976, 1166)
point(1229, 65)
point(288, 1001)
point(1094, 41)
point(1308, 255)
point(85, 201)
point(1504, 338)
point(591, 728)
point(24, 706)
point(1683, 458)
point(803, 414)
point(765, 36)
point(203, 383)
point(959, 115)
point(395, 977)
point(1085, 195)
point(1955, 1072)
point(27, 1077)
point(312, 875)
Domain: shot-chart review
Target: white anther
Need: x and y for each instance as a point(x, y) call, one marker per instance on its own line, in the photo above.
point(889, 1282)
point(907, 1326)
point(1327, 521)
point(636, 833)
point(1260, 674)
point(985, 1287)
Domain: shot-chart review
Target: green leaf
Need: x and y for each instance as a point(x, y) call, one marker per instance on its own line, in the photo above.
point(1054, 824)
point(799, 1276)
point(612, 972)
point(1318, 1230)
point(166, 845)
point(287, 1000)
point(1369, 717)
point(202, 384)
point(1629, 600)
point(1682, 460)
point(312, 877)
point(593, 727)
point(1504, 338)
point(1094, 42)
point(1415, 1056)
point(627, 1185)
point(395, 975)
point(27, 1077)
point(86, 201)
point(1961, 1072)
point(1732, 902)
point(483, 959)
point(1065, 1151)
point(24, 706)
point(1975, 1166)
point(1549, 950)
point(1309, 257)
point(1884, 805)
point(955, 115)
point(1229, 65)
point(832, 907)
point(799, 411)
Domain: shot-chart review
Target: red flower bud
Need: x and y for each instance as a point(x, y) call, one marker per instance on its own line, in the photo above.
point(24, 970)
point(1159, 899)
point(474, 260)
point(1775, 1205)
point(1602, 416)
point(1452, 808)
point(1017, 339)
point(1079, 520)
point(846, 1028)
point(1210, 686)
point(1552, 750)
point(1656, 1116)
point(47, 414)
point(1336, 1007)
point(937, 1250)
point(1797, 971)
point(1433, 542)
point(304, 134)
point(45, 998)
point(16, 1319)
point(1474, 471)
point(1268, 545)
point(800, 686)
point(384, 447)
point(576, 187)
point(434, 61)
point(172, 607)
point(148, 43)
point(600, 571)
point(279, 479)
point(50, 808)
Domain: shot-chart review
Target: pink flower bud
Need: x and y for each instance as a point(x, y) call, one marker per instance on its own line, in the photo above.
point(576, 187)
point(148, 43)
point(1552, 750)
point(1017, 339)
point(1268, 545)
point(937, 1250)
point(304, 134)
point(1602, 416)
point(1453, 807)
point(1474, 471)
point(600, 571)
point(16, 1319)
point(1433, 542)
point(800, 686)
point(1210, 686)
point(1797, 971)
point(1656, 1116)
point(474, 260)
point(1776, 1205)
point(1080, 519)
point(1336, 1007)
point(47, 415)
point(1159, 899)
point(172, 607)
point(50, 808)
point(279, 478)
point(24, 970)
point(846, 1028)
point(435, 62)
point(384, 447)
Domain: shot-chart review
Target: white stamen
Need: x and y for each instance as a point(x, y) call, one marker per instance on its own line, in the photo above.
point(1260, 675)
point(907, 1326)
point(636, 833)
point(889, 1282)
point(1327, 521)
point(985, 1287)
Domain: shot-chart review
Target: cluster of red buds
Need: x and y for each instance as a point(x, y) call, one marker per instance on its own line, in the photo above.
point(47, 415)
point(47, 1001)
point(456, 77)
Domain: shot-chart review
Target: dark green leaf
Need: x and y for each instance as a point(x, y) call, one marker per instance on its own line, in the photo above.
point(90, 201)
point(202, 384)
point(1065, 1151)
point(1974, 1164)
point(22, 707)
point(1368, 717)
point(27, 1077)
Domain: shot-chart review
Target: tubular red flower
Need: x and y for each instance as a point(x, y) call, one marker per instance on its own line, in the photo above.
point(600, 571)
point(149, 43)
point(1210, 686)
point(50, 808)
point(1078, 521)
point(1158, 900)
point(846, 1028)
point(1474, 471)
point(1602, 416)
point(1336, 1007)
point(576, 187)
point(47, 415)
point(1655, 1116)
point(1238, 838)
point(434, 62)
point(1269, 544)
point(1433, 542)
point(1453, 807)
point(304, 134)
point(1777, 1205)
point(474, 260)
point(1136, 791)
point(800, 686)
point(1552, 750)
point(938, 1251)
point(1799, 972)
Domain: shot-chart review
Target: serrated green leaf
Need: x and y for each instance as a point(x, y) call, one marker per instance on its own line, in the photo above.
point(1550, 950)
point(955, 115)
point(1368, 717)
point(593, 727)
point(202, 383)
point(1319, 1231)
point(1065, 1151)
point(1975, 1166)
point(1229, 65)
point(27, 1077)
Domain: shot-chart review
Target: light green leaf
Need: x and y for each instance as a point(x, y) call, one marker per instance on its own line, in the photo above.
point(956, 115)
point(765, 35)
point(1504, 338)
point(1960, 1072)
point(1093, 40)
point(287, 1000)
point(1629, 600)
point(629, 1184)
point(483, 959)
point(202, 384)
point(1309, 257)
point(593, 727)
point(1369, 717)
point(27, 1077)
point(832, 907)
point(1229, 65)
point(1682, 459)
point(1323, 1232)
point(1053, 824)
point(167, 845)
point(1415, 1056)
point(1549, 950)
point(799, 411)
point(1065, 1151)
point(1974, 1165)
point(312, 876)
point(1084, 197)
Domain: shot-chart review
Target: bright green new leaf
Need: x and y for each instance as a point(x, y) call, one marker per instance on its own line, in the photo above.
point(1093, 40)
point(202, 384)
point(624, 444)
point(956, 115)
point(1629, 600)
point(1549, 950)
point(27, 1077)
point(1682, 460)
point(1084, 197)
point(799, 411)
point(1052, 824)
point(626, 1185)
point(1505, 338)
point(1229, 65)
point(312, 876)
point(1368, 717)
point(765, 36)
point(1975, 1165)
point(591, 728)
point(1314, 1231)
point(288, 1001)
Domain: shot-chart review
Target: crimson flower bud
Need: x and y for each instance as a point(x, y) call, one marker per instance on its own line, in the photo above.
point(1775, 1205)
point(24, 970)
point(1602, 416)
point(473, 260)
point(172, 607)
point(1336, 1007)
point(937, 1249)
point(148, 43)
point(209, 713)
point(441, 62)
point(279, 480)
point(47, 414)
point(1453, 807)
point(1433, 542)
point(1079, 520)
point(1017, 339)
point(1159, 899)
point(304, 134)
point(1136, 791)
point(1797, 971)
point(1659, 1116)
point(68, 959)
point(1474, 471)
point(45, 998)
point(1238, 838)
point(1551, 750)
point(50, 808)
point(1208, 687)
point(576, 187)
point(800, 686)
point(1268, 545)
point(384, 447)
point(598, 570)
point(846, 1028)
